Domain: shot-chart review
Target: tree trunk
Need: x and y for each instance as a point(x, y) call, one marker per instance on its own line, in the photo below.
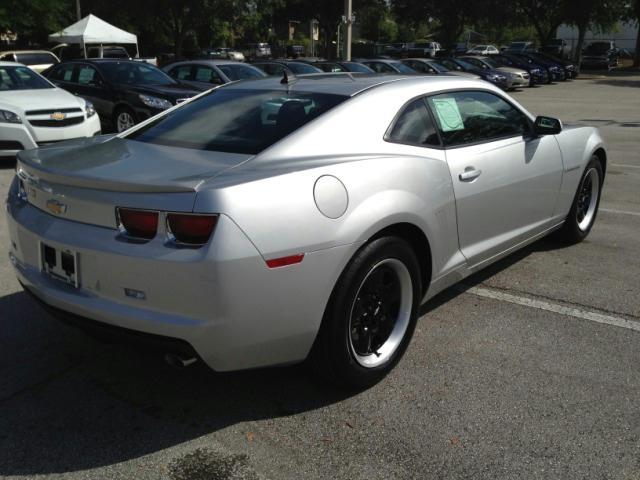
point(636, 58)
point(582, 32)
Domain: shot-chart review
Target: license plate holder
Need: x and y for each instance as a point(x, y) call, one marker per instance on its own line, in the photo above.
point(60, 264)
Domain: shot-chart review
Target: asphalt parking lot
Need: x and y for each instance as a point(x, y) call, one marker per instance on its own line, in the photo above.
point(528, 370)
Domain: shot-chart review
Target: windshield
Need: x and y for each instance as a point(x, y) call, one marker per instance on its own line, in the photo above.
point(491, 62)
point(301, 68)
point(36, 58)
point(236, 121)
point(597, 48)
point(357, 67)
point(465, 65)
point(438, 68)
point(135, 73)
point(21, 78)
point(401, 67)
point(241, 72)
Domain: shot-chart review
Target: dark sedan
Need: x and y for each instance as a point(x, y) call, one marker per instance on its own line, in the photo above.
point(571, 69)
point(353, 67)
point(123, 92)
point(494, 76)
point(555, 69)
point(599, 55)
point(205, 74)
point(388, 66)
point(538, 74)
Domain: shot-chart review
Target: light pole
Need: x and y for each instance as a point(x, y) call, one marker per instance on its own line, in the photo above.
point(78, 14)
point(348, 15)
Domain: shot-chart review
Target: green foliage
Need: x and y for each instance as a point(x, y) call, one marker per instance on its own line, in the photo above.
point(33, 20)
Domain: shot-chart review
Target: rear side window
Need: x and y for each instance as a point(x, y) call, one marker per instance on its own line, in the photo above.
point(236, 121)
point(36, 58)
point(182, 72)
point(63, 73)
point(414, 126)
point(87, 75)
point(474, 117)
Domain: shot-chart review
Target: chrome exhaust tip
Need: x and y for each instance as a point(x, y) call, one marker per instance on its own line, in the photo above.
point(177, 361)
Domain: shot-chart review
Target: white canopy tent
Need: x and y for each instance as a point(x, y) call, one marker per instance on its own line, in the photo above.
point(93, 30)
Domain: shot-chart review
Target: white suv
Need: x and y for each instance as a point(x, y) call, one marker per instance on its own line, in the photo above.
point(33, 111)
point(424, 49)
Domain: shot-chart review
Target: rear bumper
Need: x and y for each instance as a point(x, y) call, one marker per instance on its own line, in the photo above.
point(221, 299)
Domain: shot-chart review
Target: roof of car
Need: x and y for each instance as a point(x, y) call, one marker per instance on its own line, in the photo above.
point(208, 61)
point(340, 83)
point(25, 51)
point(11, 64)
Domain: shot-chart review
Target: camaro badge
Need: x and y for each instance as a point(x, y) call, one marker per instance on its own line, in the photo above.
point(58, 116)
point(56, 207)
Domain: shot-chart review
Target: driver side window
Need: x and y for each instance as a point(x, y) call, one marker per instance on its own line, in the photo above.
point(465, 118)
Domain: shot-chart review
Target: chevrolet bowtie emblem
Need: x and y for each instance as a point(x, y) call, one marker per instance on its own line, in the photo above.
point(56, 207)
point(58, 116)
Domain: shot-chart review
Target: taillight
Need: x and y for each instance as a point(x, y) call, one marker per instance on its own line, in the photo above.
point(138, 223)
point(191, 229)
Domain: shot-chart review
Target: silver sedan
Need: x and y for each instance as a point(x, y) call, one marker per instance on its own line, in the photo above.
point(270, 221)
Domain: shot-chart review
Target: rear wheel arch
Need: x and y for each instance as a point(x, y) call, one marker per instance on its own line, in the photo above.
point(418, 241)
point(602, 156)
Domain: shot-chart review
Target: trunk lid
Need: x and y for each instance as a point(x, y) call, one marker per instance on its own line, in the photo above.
point(85, 180)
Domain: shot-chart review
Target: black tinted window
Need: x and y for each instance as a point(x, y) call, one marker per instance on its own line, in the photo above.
point(36, 58)
point(62, 73)
point(414, 126)
point(237, 121)
point(473, 117)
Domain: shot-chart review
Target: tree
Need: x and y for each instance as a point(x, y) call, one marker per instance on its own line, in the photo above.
point(34, 20)
point(632, 14)
point(594, 14)
point(544, 16)
point(376, 23)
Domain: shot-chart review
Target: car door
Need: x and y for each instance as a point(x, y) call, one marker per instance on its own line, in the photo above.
point(90, 85)
point(62, 76)
point(506, 180)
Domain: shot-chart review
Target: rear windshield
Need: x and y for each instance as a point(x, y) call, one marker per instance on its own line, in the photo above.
point(300, 68)
point(21, 78)
point(357, 67)
point(36, 58)
point(236, 121)
point(240, 71)
point(135, 73)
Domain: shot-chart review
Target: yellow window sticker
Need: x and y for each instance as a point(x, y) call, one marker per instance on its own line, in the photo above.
point(448, 114)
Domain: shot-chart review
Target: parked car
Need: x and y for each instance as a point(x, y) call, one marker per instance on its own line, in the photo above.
point(456, 70)
point(396, 50)
point(380, 65)
point(423, 49)
point(517, 76)
point(34, 112)
point(329, 67)
point(601, 54)
point(205, 74)
point(571, 70)
point(238, 231)
point(254, 51)
point(557, 47)
point(277, 67)
point(37, 60)
point(555, 69)
point(492, 76)
point(295, 51)
point(538, 74)
point(433, 67)
point(520, 47)
point(355, 67)
point(123, 92)
point(223, 53)
point(483, 50)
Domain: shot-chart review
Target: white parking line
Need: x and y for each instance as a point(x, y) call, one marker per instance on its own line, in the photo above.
point(554, 307)
point(624, 165)
point(620, 212)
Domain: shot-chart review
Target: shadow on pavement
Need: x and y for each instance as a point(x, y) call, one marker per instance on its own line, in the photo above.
point(69, 403)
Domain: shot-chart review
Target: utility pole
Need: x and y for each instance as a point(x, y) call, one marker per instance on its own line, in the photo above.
point(78, 14)
point(348, 14)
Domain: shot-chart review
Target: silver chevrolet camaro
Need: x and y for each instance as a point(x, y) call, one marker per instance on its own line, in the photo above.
point(270, 221)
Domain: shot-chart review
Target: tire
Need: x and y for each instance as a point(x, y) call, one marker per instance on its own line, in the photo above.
point(584, 208)
point(123, 119)
point(358, 320)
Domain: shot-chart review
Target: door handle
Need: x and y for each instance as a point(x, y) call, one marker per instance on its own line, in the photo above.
point(470, 173)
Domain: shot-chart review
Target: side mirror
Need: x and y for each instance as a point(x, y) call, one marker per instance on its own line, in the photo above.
point(547, 126)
